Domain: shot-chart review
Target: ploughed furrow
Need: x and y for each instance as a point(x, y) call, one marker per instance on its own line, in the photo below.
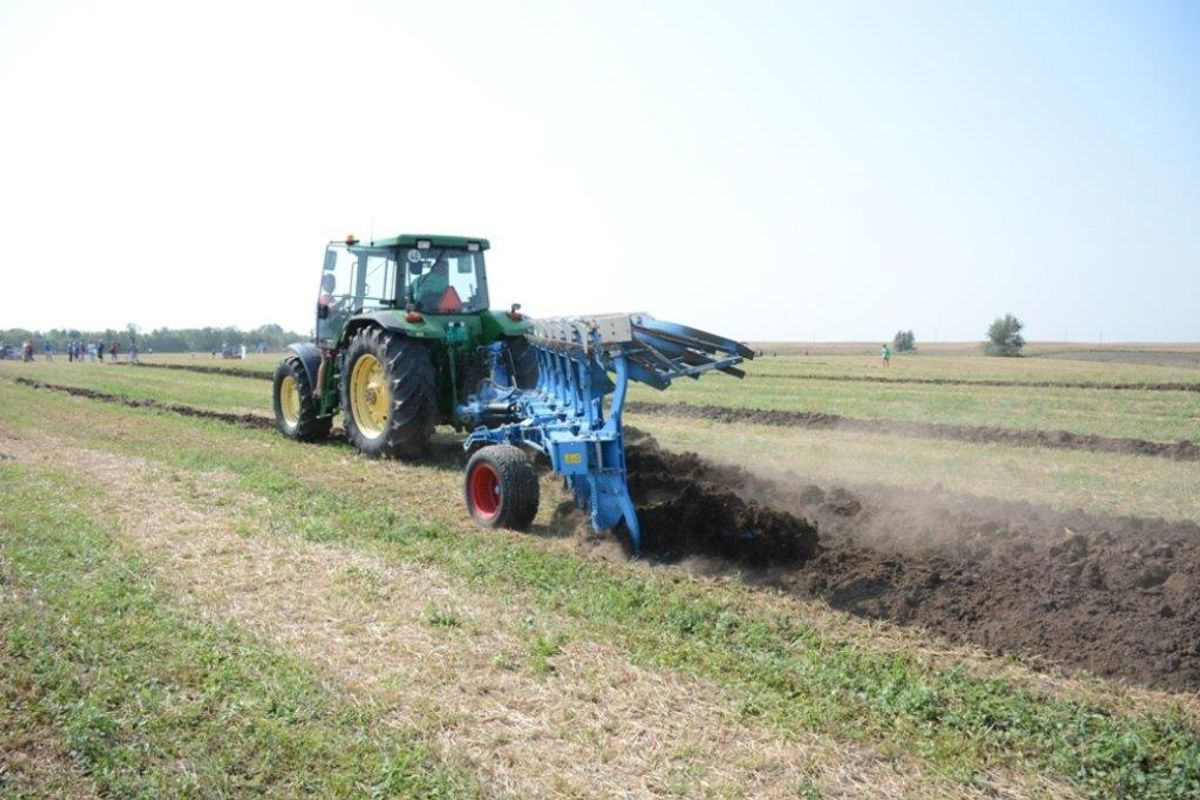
point(1117, 596)
point(1167, 386)
point(248, 420)
point(237, 372)
point(1183, 450)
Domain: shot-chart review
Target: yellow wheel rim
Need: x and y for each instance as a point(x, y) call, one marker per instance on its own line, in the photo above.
point(289, 400)
point(370, 399)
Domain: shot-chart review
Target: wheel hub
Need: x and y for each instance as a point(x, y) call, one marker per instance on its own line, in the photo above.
point(370, 400)
point(289, 400)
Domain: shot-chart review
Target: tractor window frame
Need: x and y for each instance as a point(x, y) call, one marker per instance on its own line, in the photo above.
point(425, 297)
point(364, 279)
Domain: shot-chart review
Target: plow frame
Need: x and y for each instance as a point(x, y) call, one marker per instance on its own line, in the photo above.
point(581, 361)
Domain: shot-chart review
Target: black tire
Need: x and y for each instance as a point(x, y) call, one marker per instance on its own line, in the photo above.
point(296, 418)
point(501, 488)
point(522, 361)
point(402, 425)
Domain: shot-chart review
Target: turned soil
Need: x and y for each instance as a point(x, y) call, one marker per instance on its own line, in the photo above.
point(1117, 596)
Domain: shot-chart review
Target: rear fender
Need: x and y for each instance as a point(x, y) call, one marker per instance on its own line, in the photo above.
point(310, 358)
point(498, 324)
point(392, 321)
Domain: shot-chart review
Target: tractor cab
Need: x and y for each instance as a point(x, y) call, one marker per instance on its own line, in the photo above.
point(440, 275)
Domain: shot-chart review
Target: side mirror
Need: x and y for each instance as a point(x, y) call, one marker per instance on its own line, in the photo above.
point(330, 260)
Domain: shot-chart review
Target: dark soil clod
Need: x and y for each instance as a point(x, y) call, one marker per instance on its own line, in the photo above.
point(1117, 596)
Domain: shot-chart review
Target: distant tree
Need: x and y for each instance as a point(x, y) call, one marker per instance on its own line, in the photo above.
point(904, 342)
point(1004, 337)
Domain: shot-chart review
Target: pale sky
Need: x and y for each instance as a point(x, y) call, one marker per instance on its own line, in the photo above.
point(765, 170)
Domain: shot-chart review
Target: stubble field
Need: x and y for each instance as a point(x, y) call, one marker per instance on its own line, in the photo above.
point(1002, 596)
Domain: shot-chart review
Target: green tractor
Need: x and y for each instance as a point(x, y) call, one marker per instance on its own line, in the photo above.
point(402, 335)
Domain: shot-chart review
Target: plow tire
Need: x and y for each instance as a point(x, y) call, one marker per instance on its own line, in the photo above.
point(522, 361)
point(389, 395)
point(501, 488)
point(296, 410)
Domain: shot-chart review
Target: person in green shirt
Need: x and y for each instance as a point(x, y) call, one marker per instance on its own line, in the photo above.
point(428, 288)
point(886, 355)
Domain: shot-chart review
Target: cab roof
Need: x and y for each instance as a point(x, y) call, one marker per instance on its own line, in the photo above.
point(435, 240)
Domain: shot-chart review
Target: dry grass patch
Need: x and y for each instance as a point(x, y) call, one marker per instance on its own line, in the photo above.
point(541, 713)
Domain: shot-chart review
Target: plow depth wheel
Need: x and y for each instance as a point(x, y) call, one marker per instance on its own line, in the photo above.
point(501, 488)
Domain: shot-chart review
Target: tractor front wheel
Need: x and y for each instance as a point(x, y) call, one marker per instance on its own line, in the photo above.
point(501, 488)
point(389, 394)
point(296, 410)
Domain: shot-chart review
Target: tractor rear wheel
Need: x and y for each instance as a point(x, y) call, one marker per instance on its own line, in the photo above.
point(522, 361)
point(389, 394)
point(501, 488)
point(296, 410)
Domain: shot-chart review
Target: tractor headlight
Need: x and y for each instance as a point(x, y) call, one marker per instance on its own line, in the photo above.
point(424, 244)
point(473, 247)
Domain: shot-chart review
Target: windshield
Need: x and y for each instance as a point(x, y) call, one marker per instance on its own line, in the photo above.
point(437, 280)
point(443, 280)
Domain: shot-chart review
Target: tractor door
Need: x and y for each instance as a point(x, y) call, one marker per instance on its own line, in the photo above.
point(354, 279)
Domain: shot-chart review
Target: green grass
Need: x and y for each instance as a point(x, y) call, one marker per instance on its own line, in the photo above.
point(1100, 483)
point(1156, 416)
point(972, 367)
point(149, 701)
point(223, 392)
point(789, 674)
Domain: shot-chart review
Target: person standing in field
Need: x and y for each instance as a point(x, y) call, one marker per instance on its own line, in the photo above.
point(112, 351)
point(886, 355)
point(133, 352)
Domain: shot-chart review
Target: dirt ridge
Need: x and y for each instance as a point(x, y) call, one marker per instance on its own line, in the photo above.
point(236, 372)
point(1183, 450)
point(1167, 386)
point(1117, 596)
point(258, 421)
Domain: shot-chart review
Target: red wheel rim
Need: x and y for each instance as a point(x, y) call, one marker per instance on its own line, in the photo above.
point(485, 491)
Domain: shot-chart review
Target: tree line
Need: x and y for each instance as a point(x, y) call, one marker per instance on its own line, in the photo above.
point(1003, 338)
point(160, 340)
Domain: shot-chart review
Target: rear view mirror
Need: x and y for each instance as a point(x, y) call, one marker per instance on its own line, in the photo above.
point(330, 260)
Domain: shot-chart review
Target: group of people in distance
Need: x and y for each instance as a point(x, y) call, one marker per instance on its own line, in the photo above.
point(81, 351)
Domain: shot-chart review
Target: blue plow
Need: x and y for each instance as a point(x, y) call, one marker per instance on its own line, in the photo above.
point(581, 362)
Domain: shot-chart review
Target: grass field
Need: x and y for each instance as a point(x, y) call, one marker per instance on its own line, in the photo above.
point(194, 608)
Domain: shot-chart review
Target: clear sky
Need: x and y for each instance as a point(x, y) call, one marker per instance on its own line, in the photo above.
point(766, 170)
